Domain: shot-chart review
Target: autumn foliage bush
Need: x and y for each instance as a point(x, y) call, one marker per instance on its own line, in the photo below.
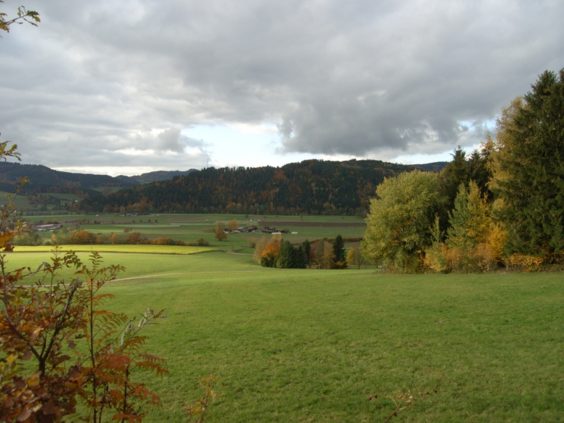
point(81, 237)
point(474, 241)
point(268, 251)
point(524, 262)
point(63, 355)
point(60, 346)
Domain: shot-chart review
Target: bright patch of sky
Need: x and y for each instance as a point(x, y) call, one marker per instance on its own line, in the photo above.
point(236, 144)
point(107, 170)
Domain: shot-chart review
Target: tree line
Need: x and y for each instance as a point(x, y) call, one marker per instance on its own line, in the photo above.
point(503, 205)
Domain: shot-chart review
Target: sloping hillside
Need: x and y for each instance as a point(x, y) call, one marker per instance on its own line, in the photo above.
point(312, 186)
point(41, 179)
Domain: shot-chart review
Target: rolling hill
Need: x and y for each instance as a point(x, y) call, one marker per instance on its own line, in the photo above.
point(309, 187)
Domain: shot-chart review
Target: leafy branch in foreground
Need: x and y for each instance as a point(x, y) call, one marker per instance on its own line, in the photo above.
point(59, 346)
point(48, 315)
point(24, 15)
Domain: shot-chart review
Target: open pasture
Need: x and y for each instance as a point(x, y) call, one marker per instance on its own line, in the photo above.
point(346, 345)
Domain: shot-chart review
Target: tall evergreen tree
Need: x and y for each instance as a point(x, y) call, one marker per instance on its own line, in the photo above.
point(306, 247)
point(454, 174)
point(339, 253)
point(299, 260)
point(450, 178)
point(528, 169)
point(479, 168)
point(287, 255)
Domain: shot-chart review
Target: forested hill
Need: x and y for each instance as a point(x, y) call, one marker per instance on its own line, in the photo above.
point(312, 187)
point(42, 179)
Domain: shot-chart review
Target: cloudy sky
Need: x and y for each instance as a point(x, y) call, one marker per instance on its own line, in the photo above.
point(136, 85)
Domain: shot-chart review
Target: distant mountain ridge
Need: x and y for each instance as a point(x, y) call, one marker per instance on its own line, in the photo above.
point(42, 179)
point(311, 187)
point(158, 175)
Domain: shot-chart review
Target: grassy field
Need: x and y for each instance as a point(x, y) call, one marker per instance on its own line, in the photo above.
point(347, 345)
point(40, 203)
point(108, 248)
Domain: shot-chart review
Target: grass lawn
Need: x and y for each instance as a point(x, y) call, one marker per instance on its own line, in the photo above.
point(343, 345)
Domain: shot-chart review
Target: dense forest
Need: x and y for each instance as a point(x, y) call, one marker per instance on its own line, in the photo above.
point(310, 187)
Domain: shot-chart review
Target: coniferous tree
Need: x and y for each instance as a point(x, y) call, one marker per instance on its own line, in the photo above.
point(299, 261)
point(454, 174)
point(528, 169)
point(340, 259)
point(306, 246)
point(287, 255)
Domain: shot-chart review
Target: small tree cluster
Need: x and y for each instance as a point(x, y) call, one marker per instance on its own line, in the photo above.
point(474, 241)
point(503, 205)
point(267, 251)
point(528, 170)
point(280, 253)
point(291, 257)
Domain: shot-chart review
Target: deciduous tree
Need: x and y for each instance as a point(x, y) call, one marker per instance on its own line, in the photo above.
point(232, 225)
point(354, 257)
point(400, 218)
point(219, 231)
point(470, 224)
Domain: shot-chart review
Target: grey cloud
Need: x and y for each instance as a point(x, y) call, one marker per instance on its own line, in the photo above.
point(172, 140)
point(362, 78)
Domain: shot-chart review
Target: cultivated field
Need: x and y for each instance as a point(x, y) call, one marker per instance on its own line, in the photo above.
point(192, 227)
point(339, 345)
point(109, 248)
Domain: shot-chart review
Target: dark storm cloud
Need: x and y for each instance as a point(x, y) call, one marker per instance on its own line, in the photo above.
point(113, 83)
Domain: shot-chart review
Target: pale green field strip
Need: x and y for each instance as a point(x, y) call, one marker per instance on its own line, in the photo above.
point(117, 248)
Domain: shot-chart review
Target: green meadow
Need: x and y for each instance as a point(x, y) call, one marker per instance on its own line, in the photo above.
point(351, 345)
